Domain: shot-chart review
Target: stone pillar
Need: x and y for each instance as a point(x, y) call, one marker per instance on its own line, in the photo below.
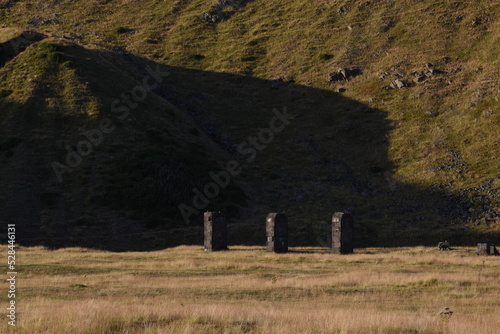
point(342, 233)
point(215, 228)
point(277, 232)
point(487, 249)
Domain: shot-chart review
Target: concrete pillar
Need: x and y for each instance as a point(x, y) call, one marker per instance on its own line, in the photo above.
point(215, 229)
point(342, 233)
point(487, 249)
point(277, 232)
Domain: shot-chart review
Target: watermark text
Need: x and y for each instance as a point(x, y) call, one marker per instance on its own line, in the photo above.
point(11, 274)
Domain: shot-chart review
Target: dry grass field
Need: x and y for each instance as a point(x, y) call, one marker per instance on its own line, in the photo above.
point(247, 290)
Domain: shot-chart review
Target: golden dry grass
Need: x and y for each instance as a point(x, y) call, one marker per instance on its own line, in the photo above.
point(283, 40)
point(247, 290)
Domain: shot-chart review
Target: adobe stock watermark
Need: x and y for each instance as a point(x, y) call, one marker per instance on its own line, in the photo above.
point(248, 148)
point(121, 107)
point(12, 274)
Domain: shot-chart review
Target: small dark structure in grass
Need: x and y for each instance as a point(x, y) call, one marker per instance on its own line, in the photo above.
point(215, 228)
point(487, 249)
point(444, 245)
point(277, 232)
point(342, 233)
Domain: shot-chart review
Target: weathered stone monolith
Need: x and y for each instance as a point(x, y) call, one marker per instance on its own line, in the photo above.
point(277, 232)
point(342, 233)
point(486, 249)
point(215, 228)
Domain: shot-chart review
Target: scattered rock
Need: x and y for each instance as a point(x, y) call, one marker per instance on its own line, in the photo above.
point(429, 73)
point(343, 10)
point(398, 84)
point(371, 99)
point(213, 16)
point(433, 113)
point(477, 21)
point(418, 78)
point(37, 21)
point(452, 163)
point(332, 77)
point(343, 74)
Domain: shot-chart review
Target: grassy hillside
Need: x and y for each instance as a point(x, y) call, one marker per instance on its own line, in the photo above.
point(247, 290)
point(141, 164)
point(415, 164)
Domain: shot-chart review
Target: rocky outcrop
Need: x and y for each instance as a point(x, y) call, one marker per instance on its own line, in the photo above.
point(399, 78)
point(398, 84)
point(343, 74)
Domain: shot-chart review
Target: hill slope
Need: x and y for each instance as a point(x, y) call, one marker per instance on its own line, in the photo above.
point(414, 164)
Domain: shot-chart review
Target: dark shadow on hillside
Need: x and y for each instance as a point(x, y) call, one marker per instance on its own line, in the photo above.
point(331, 157)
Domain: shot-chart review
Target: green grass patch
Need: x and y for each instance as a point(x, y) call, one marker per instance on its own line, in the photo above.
point(55, 57)
point(48, 47)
